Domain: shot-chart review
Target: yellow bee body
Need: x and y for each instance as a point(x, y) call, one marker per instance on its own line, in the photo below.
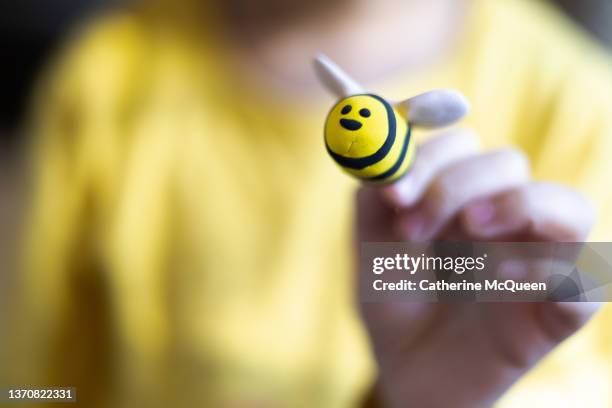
point(369, 139)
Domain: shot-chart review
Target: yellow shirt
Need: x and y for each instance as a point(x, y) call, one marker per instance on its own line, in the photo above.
point(190, 241)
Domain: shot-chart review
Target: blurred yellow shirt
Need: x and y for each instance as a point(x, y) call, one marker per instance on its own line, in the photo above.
point(190, 241)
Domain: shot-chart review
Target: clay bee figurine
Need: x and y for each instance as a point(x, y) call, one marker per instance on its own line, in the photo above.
point(370, 137)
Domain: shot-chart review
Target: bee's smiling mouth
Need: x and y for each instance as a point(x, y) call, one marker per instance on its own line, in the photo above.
point(350, 124)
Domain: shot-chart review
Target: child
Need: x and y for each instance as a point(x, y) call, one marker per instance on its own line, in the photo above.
point(190, 241)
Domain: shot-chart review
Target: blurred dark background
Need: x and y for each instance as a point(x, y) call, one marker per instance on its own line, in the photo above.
point(29, 33)
point(30, 30)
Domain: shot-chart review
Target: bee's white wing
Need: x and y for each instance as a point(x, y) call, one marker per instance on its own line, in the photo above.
point(334, 78)
point(435, 108)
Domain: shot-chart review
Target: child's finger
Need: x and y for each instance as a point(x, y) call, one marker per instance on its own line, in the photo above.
point(431, 158)
point(548, 211)
point(459, 184)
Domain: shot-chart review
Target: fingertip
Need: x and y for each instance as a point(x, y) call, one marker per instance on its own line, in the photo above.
point(401, 193)
point(558, 212)
point(483, 219)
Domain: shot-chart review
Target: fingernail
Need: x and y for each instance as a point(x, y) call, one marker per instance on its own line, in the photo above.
point(481, 213)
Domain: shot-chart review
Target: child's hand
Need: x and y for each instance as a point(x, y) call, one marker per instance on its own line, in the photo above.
point(467, 355)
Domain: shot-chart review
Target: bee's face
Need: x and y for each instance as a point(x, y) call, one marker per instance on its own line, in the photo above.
point(357, 126)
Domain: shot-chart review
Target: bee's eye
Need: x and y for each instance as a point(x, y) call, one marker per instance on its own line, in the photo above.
point(346, 109)
point(365, 113)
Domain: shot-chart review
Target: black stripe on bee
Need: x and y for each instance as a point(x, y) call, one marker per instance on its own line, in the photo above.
point(360, 163)
point(398, 163)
